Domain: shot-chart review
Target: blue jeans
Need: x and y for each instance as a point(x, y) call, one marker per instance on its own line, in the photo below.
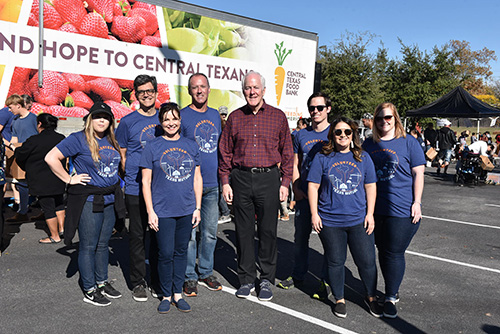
point(94, 231)
point(205, 247)
point(223, 208)
point(393, 236)
point(24, 197)
point(173, 237)
point(362, 247)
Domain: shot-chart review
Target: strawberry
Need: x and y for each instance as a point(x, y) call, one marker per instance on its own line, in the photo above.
point(134, 105)
point(106, 88)
point(119, 110)
point(54, 90)
point(157, 33)
point(71, 11)
point(112, 38)
point(93, 25)
point(163, 93)
point(121, 7)
point(33, 20)
point(152, 41)
point(149, 17)
point(51, 18)
point(89, 77)
point(80, 99)
point(76, 82)
point(129, 29)
point(19, 83)
point(37, 108)
point(151, 8)
point(103, 7)
point(68, 27)
point(125, 84)
point(60, 111)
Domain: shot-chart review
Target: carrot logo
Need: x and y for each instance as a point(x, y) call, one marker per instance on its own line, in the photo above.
point(279, 72)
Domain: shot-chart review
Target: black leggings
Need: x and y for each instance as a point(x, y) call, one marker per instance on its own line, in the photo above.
point(51, 204)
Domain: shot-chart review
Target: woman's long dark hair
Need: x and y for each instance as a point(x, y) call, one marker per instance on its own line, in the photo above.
point(355, 147)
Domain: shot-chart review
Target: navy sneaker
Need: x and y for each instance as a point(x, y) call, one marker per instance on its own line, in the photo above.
point(108, 290)
point(182, 305)
point(340, 310)
point(245, 290)
point(390, 310)
point(164, 306)
point(374, 308)
point(265, 292)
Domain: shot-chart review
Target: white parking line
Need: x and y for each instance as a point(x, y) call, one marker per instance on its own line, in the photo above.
point(495, 205)
point(454, 262)
point(461, 222)
point(293, 313)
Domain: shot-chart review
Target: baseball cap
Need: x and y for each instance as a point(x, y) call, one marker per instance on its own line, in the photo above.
point(223, 110)
point(367, 116)
point(100, 108)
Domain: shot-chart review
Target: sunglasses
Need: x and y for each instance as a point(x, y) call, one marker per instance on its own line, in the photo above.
point(147, 91)
point(339, 132)
point(385, 118)
point(320, 108)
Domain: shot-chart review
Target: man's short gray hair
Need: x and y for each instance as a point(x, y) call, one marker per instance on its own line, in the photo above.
point(262, 80)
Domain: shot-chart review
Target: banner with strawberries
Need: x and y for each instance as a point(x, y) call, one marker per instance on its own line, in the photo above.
point(93, 49)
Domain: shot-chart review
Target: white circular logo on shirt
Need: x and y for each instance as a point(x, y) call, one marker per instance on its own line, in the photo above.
point(207, 136)
point(386, 163)
point(177, 164)
point(147, 134)
point(345, 177)
point(108, 164)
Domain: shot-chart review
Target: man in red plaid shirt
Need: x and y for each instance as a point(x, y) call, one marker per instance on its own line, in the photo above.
point(255, 168)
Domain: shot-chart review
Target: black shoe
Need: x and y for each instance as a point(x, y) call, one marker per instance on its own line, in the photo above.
point(96, 298)
point(191, 288)
point(340, 310)
point(374, 308)
point(139, 293)
point(390, 310)
point(110, 292)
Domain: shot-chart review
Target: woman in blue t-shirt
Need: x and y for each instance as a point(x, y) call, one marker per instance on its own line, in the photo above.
point(342, 194)
point(94, 195)
point(172, 187)
point(400, 164)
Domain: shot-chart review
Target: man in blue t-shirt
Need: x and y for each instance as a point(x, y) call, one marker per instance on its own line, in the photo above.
point(203, 124)
point(306, 143)
point(133, 133)
point(23, 126)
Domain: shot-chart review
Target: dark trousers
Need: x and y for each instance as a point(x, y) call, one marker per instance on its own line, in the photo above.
point(256, 194)
point(2, 221)
point(138, 223)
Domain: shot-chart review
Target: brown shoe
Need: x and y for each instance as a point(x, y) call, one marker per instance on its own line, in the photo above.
point(41, 216)
point(18, 218)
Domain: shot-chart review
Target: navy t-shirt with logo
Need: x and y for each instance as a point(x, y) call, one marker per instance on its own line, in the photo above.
point(307, 143)
point(133, 133)
point(205, 129)
point(342, 179)
point(173, 163)
point(103, 173)
point(393, 161)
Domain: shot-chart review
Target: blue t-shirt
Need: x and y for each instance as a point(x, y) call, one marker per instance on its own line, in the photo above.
point(6, 118)
point(173, 164)
point(133, 133)
point(393, 161)
point(342, 179)
point(23, 128)
point(205, 128)
point(103, 173)
point(307, 143)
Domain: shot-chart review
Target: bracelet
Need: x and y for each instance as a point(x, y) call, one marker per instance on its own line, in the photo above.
point(197, 209)
point(69, 182)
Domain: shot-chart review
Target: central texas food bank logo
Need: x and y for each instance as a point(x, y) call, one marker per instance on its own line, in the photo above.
point(279, 72)
point(108, 164)
point(386, 163)
point(148, 134)
point(177, 164)
point(206, 136)
point(345, 177)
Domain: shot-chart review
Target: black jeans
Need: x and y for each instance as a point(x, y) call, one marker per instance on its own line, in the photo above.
point(256, 194)
point(138, 223)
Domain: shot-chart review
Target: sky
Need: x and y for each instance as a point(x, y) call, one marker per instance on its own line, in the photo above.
point(426, 23)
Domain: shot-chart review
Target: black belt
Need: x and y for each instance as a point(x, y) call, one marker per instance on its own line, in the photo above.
point(257, 170)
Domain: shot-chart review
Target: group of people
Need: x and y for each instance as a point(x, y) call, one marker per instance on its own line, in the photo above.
point(172, 162)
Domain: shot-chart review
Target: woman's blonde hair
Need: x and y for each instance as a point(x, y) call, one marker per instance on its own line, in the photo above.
point(355, 142)
point(399, 130)
point(92, 141)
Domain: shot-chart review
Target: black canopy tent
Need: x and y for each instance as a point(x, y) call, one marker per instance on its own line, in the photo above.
point(457, 103)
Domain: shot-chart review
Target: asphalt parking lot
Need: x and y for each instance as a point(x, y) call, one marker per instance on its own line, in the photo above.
point(451, 285)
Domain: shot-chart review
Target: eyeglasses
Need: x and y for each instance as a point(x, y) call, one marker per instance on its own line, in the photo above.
point(385, 118)
point(320, 108)
point(339, 132)
point(147, 91)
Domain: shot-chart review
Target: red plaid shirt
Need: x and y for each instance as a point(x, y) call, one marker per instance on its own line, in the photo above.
point(256, 140)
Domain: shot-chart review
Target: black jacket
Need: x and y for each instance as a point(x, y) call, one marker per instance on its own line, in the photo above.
point(446, 138)
point(31, 158)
